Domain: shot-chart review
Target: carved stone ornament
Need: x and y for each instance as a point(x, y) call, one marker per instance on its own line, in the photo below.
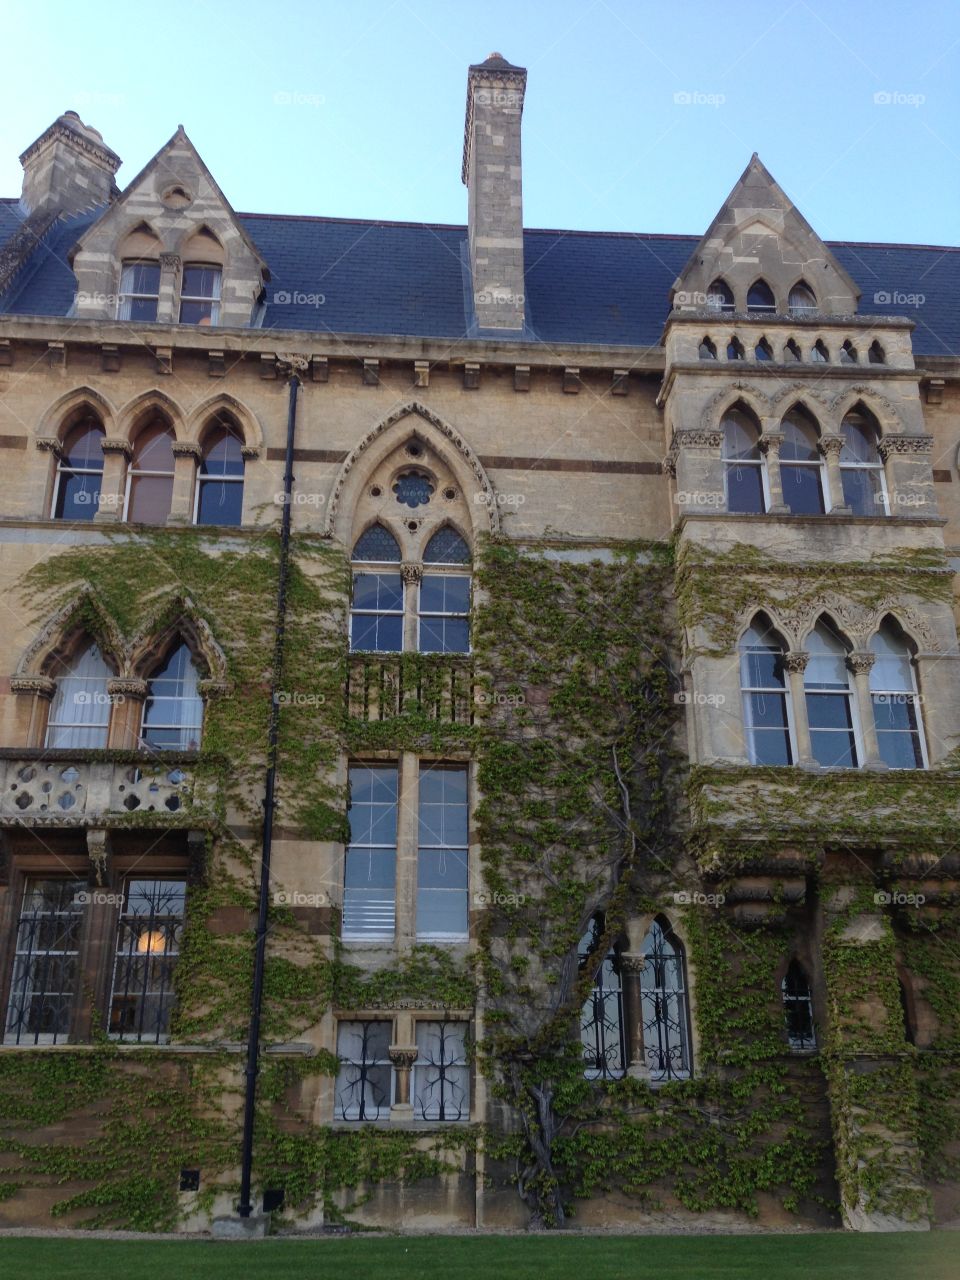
point(770, 441)
point(894, 444)
point(796, 660)
point(402, 1057)
point(632, 964)
point(211, 688)
point(411, 573)
point(127, 687)
point(293, 360)
point(693, 438)
point(861, 660)
point(116, 444)
point(831, 445)
point(170, 262)
point(98, 850)
point(43, 686)
point(51, 444)
point(185, 449)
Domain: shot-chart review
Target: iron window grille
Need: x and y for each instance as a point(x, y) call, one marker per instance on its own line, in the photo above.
point(601, 1018)
point(798, 1009)
point(441, 1076)
point(665, 1015)
point(46, 970)
point(364, 1089)
point(149, 932)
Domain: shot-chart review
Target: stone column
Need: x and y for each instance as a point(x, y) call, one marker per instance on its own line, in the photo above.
point(403, 1057)
point(796, 665)
point(168, 310)
point(770, 442)
point(631, 967)
point(407, 849)
point(116, 455)
point(412, 575)
point(186, 459)
point(37, 692)
point(830, 446)
point(127, 696)
point(860, 663)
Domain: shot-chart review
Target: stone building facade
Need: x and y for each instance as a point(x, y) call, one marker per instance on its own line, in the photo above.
point(767, 420)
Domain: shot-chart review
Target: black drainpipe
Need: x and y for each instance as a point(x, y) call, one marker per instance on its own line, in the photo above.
point(269, 806)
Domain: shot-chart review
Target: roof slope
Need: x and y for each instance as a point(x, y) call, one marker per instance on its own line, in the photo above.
point(343, 276)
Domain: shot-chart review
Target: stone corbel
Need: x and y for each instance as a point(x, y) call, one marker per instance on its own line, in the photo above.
point(370, 376)
point(42, 686)
point(116, 444)
point(521, 377)
point(899, 444)
point(249, 451)
point(571, 380)
point(99, 851)
point(127, 687)
point(50, 444)
point(185, 449)
point(471, 375)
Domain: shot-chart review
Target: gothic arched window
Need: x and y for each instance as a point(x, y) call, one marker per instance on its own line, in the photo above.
point(801, 300)
point(80, 709)
point(861, 467)
point(219, 497)
point(896, 703)
point(766, 705)
point(173, 711)
point(801, 466)
point(829, 701)
point(798, 1008)
point(720, 297)
point(76, 494)
point(760, 299)
point(444, 598)
point(601, 1018)
point(376, 612)
point(664, 1002)
point(743, 464)
point(150, 477)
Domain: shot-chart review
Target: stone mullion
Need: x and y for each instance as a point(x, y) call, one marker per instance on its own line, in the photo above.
point(860, 664)
point(796, 665)
point(830, 446)
point(412, 575)
point(407, 850)
point(631, 968)
point(186, 459)
point(167, 308)
point(127, 697)
point(770, 442)
point(116, 456)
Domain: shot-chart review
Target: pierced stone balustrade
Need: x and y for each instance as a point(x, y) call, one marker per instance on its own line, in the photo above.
point(68, 788)
point(384, 686)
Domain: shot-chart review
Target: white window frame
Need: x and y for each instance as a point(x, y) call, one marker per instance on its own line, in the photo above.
point(384, 935)
point(378, 568)
point(341, 1114)
point(446, 571)
point(733, 462)
point(747, 691)
point(213, 299)
point(124, 297)
point(856, 724)
point(451, 767)
point(913, 695)
point(423, 1064)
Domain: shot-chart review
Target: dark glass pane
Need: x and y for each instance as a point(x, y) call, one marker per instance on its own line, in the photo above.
point(833, 750)
point(369, 868)
point(413, 489)
point(894, 711)
point(768, 710)
point(744, 489)
point(442, 869)
point(444, 635)
point(900, 750)
point(801, 490)
point(763, 669)
point(382, 591)
point(221, 454)
point(377, 544)
point(772, 746)
point(373, 785)
point(82, 448)
point(78, 496)
point(760, 297)
point(143, 309)
point(828, 711)
point(220, 502)
point(200, 282)
point(150, 499)
point(142, 277)
point(444, 593)
point(196, 312)
point(446, 547)
point(376, 633)
point(862, 491)
point(153, 450)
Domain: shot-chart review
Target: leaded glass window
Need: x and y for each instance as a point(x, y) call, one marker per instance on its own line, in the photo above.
point(378, 545)
point(413, 489)
point(446, 547)
point(444, 613)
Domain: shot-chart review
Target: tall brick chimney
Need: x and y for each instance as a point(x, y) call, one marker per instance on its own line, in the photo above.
point(492, 174)
point(68, 169)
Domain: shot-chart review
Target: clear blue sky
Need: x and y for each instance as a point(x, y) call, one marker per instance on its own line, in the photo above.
point(355, 109)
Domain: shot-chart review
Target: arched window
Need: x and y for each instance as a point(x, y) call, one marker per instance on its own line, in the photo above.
point(444, 597)
point(760, 299)
point(763, 350)
point(720, 297)
point(76, 494)
point(848, 353)
point(139, 291)
point(743, 464)
point(791, 351)
point(173, 711)
point(798, 1009)
point(861, 467)
point(896, 705)
point(876, 354)
point(376, 612)
point(80, 708)
point(665, 1013)
point(735, 349)
point(766, 706)
point(707, 349)
point(819, 353)
point(219, 497)
point(446, 547)
point(601, 1019)
point(801, 300)
point(801, 466)
point(829, 699)
point(150, 477)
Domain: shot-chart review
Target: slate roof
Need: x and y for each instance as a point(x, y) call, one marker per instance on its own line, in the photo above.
point(408, 279)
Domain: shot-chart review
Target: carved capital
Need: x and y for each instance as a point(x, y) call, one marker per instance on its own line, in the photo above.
point(411, 573)
point(770, 441)
point(170, 262)
point(51, 444)
point(402, 1056)
point(894, 444)
point(796, 660)
point(861, 660)
point(127, 687)
point(249, 451)
point(185, 449)
point(116, 444)
point(831, 445)
point(632, 964)
point(42, 686)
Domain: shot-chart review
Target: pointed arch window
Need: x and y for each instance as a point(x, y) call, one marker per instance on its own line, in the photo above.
point(79, 716)
point(896, 703)
point(150, 477)
point(819, 353)
point(444, 597)
point(76, 493)
point(139, 291)
point(861, 467)
point(760, 299)
point(707, 349)
point(876, 354)
point(798, 1009)
point(376, 612)
point(829, 700)
point(173, 711)
point(767, 714)
point(601, 1018)
point(848, 353)
point(801, 465)
point(665, 1012)
point(743, 464)
point(791, 352)
point(446, 547)
point(802, 300)
point(735, 349)
point(720, 297)
point(219, 498)
point(763, 351)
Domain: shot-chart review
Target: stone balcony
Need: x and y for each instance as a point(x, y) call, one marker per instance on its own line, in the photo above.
point(98, 789)
point(440, 687)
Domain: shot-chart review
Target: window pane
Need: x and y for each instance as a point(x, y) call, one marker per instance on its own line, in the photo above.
point(444, 635)
point(375, 633)
point(200, 282)
point(828, 711)
point(444, 593)
point(364, 1089)
point(199, 312)
point(82, 448)
point(863, 490)
point(441, 1077)
point(771, 746)
point(413, 489)
point(377, 544)
point(173, 712)
point(744, 489)
point(762, 669)
point(80, 708)
point(442, 859)
point(78, 496)
point(382, 592)
point(369, 894)
point(767, 710)
point(802, 491)
point(148, 943)
point(45, 975)
point(140, 277)
point(446, 547)
point(664, 1007)
point(222, 454)
point(220, 502)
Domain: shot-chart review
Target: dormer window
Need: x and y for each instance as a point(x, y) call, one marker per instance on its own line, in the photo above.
point(139, 291)
point(200, 294)
point(801, 300)
point(760, 299)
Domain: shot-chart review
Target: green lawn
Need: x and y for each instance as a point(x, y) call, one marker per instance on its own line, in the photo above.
point(905, 1256)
